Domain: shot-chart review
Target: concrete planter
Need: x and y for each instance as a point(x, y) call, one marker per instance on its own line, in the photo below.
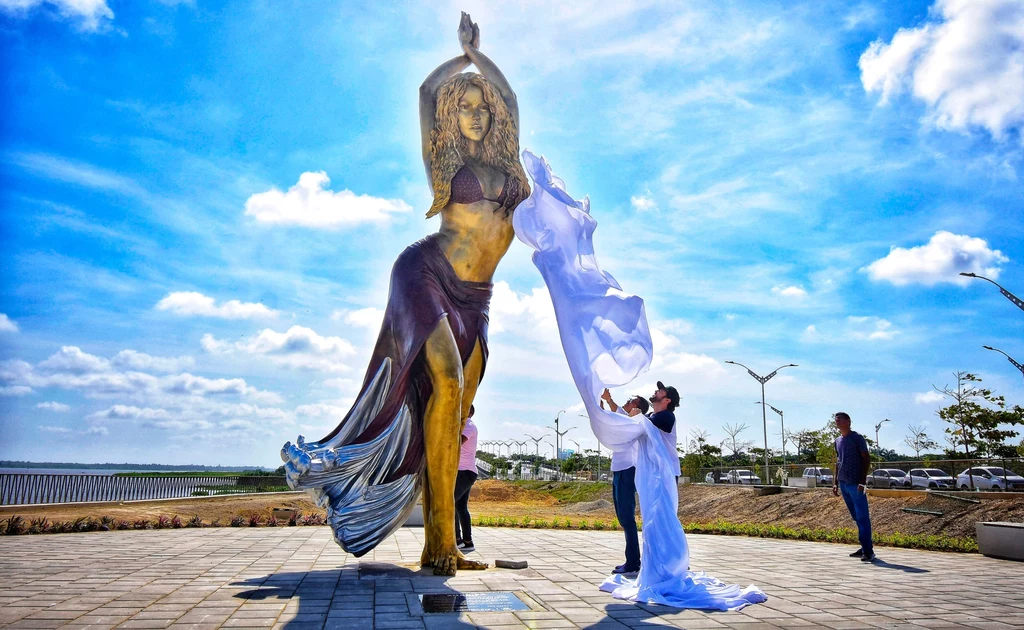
point(416, 518)
point(1001, 540)
point(802, 482)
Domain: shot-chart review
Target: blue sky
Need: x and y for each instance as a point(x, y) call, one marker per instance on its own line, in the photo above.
point(202, 201)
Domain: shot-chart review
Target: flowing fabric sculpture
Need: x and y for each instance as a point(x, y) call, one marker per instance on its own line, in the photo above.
point(607, 343)
point(402, 434)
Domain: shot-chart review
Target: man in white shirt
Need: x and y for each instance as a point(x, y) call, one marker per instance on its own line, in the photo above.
point(624, 485)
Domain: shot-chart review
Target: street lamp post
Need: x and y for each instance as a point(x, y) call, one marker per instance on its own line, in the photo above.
point(559, 434)
point(782, 420)
point(764, 414)
point(1015, 364)
point(1009, 296)
point(878, 447)
point(536, 443)
point(521, 446)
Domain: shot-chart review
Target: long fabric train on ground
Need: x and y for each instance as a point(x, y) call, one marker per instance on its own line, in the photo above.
point(607, 343)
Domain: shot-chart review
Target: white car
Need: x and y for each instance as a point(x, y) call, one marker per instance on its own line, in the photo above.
point(990, 478)
point(822, 476)
point(888, 478)
point(933, 478)
point(743, 476)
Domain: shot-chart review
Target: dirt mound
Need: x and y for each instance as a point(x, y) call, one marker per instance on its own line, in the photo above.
point(820, 510)
point(588, 507)
point(494, 491)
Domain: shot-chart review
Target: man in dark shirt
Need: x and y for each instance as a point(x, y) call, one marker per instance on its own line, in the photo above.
point(852, 463)
point(664, 403)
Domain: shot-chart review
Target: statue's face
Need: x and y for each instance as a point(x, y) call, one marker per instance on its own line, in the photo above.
point(474, 114)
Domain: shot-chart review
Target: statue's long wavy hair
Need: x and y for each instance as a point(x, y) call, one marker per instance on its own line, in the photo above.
point(448, 146)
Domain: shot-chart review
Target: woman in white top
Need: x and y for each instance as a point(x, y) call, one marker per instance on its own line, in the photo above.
point(463, 484)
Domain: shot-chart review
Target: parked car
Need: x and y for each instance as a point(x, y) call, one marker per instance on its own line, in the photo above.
point(888, 478)
point(822, 476)
point(933, 478)
point(990, 478)
point(743, 476)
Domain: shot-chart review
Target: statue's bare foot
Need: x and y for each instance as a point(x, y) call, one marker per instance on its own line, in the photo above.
point(470, 565)
point(444, 560)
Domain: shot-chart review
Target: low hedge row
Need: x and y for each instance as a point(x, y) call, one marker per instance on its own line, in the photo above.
point(17, 525)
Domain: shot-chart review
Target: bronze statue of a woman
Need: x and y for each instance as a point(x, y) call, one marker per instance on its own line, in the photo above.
point(402, 433)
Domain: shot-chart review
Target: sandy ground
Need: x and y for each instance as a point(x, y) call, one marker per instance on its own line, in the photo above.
point(697, 503)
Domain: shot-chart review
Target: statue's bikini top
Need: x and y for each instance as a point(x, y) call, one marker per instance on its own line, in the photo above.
point(466, 188)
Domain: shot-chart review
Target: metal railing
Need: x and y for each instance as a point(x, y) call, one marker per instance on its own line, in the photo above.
point(32, 488)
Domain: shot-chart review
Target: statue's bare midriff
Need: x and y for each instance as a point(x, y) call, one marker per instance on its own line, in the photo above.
point(474, 238)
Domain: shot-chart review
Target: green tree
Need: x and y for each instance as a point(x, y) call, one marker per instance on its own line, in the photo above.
point(825, 445)
point(701, 454)
point(573, 463)
point(977, 419)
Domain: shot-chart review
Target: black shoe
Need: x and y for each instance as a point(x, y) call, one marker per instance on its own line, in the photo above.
point(624, 570)
point(857, 554)
point(467, 547)
point(868, 557)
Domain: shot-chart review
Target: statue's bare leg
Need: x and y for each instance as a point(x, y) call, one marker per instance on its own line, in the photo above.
point(442, 425)
point(471, 378)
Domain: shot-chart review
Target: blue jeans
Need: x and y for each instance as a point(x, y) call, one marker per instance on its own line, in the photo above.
point(857, 503)
point(624, 497)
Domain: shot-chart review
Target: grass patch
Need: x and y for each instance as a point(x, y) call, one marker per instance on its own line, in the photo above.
point(842, 535)
point(568, 491)
point(725, 528)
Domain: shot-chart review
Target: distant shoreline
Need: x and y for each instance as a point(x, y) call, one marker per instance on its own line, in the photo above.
point(16, 466)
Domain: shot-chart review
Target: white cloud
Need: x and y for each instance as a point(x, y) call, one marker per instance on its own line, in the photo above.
point(644, 202)
point(72, 369)
point(97, 431)
point(370, 317)
point(310, 204)
point(90, 15)
point(322, 410)
point(15, 390)
point(789, 291)
point(192, 303)
point(928, 398)
point(298, 347)
point(131, 359)
point(870, 328)
point(71, 359)
point(54, 406)
point(128, 412)
point(527, 314)
point(853, 328)
point(6, 325)
point(940, 260)
point(53, 429)
point(966, 63)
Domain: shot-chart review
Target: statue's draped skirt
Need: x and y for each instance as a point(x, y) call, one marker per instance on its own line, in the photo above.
point(367, 472)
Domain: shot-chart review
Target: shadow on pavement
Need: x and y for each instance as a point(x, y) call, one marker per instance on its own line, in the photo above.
point(318, 593)
point(637, 615)
point(878, 562)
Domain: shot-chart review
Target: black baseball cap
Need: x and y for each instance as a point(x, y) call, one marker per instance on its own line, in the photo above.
point(671, 392)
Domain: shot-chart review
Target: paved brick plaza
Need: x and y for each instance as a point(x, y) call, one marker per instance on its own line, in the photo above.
point(298, 578)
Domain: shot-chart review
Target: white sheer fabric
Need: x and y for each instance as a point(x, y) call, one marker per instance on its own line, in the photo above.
point(607, 343)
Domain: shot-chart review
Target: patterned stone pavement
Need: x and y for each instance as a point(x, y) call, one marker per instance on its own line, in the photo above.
point(298, 578)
